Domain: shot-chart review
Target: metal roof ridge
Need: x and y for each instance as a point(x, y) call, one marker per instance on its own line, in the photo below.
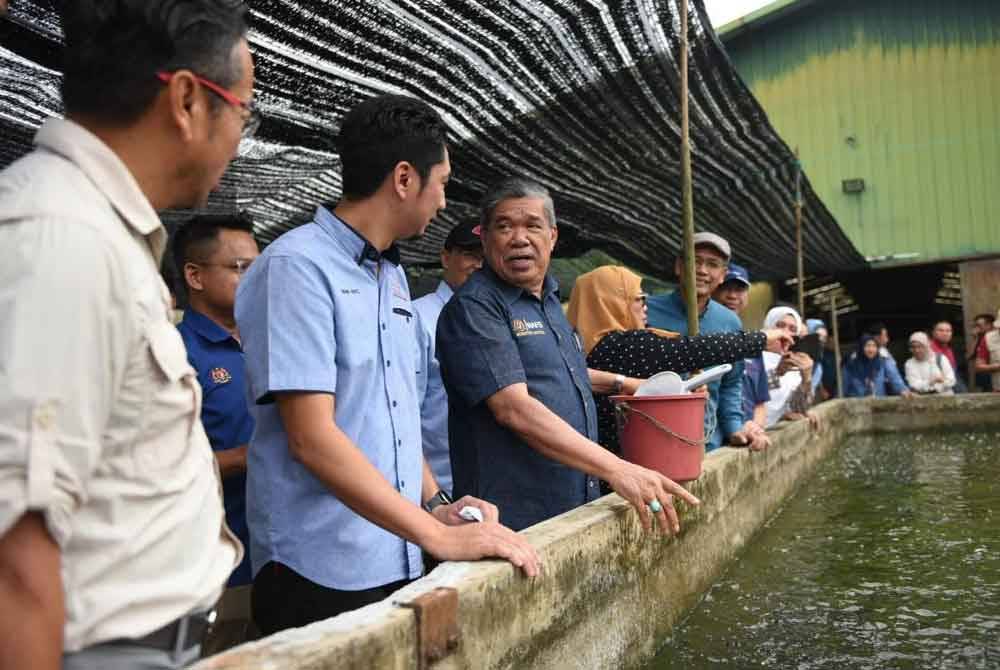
point(767, 14)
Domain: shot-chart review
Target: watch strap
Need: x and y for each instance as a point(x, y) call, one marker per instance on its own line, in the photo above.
point(436, 500)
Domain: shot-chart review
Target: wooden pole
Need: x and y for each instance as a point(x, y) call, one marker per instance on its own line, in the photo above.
point(687, 198)
point(836, 344)
point(798, 235)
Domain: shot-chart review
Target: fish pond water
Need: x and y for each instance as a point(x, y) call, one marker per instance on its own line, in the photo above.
point(889, 557)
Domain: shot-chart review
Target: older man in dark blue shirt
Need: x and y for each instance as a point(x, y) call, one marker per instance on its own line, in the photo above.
point(522, 421)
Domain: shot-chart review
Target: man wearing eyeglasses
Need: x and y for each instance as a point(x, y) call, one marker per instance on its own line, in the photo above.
point(211, 253)
point(113, 542)
point(669, 312)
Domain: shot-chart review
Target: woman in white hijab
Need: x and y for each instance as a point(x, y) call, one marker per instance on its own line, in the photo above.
point(925, 373)
point(789, 375)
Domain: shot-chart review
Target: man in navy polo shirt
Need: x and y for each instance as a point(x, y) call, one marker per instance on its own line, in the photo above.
point(339, 498)
point(211, 253)
point(522, 421)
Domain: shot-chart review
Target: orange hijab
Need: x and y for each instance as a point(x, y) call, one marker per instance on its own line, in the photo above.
point(599, 304)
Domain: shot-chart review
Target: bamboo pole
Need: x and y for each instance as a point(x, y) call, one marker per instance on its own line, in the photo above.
point(836, 344)
point(687, 198)
point(798, 235)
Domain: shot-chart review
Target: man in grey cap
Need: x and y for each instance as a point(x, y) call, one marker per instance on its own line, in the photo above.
point(461, 256)
point(669, 312)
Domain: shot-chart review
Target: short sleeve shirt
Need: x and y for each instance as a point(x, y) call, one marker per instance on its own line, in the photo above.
point(492, 335)
point(218, 359)
point(322, 311)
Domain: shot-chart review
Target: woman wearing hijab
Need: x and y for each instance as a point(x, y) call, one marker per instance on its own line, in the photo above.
point(608, 310)
point(865, 372)
point(928, 372)
point(789, 375)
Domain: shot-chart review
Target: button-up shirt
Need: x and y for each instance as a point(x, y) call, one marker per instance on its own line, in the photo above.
point(491, 335)
point(218, 359)
point(322, 311)
point(433, 398)
point(99, 427)
point(725, 397)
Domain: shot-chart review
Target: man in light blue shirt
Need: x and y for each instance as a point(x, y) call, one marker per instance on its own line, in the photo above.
point(668, 311)
point(336, 476)
point(462, 255)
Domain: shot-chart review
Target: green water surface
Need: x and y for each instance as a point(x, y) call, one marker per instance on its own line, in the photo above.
point(888, 558)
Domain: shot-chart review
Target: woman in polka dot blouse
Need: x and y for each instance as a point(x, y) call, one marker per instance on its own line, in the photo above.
point(608, 310)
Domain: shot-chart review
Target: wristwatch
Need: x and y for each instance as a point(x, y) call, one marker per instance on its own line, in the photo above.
point(619, 384)
point(439, 498)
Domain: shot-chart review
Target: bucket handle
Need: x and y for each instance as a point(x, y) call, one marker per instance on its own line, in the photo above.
point(622, 409)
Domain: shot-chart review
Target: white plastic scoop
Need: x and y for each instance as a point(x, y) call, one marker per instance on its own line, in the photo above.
point(670, 383)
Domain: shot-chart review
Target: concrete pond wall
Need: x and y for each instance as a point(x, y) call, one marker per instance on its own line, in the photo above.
point(609, 591)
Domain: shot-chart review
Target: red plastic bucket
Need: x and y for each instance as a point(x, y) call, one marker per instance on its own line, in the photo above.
point(663, 433)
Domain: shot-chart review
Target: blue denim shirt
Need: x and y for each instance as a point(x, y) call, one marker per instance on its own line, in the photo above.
point(430, 388)
point(492, 335)
point(669, 312)
point(218, 359)
point(322, 311)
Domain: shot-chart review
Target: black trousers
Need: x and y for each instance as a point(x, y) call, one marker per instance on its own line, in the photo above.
point(282, 598)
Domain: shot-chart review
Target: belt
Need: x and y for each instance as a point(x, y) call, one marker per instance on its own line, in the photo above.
point(180, 634)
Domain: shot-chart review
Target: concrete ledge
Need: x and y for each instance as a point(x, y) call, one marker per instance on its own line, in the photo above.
point(609, 591)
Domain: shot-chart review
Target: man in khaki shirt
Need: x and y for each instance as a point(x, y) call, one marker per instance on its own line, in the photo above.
point(112, 541)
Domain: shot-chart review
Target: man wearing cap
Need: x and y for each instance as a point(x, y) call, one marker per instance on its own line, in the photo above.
point(462, 255)
point(734, 293)
point(668, 311)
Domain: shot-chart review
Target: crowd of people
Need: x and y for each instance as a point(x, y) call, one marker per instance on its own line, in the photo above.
point(357, 435)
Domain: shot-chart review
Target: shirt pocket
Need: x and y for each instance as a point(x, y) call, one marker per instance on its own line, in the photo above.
point(170, 415)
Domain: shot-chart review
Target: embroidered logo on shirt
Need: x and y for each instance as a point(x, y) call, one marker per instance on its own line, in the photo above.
point(221, 376)
point(522, 327)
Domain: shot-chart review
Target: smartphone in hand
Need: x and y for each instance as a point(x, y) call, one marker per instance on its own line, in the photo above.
point(809, 344)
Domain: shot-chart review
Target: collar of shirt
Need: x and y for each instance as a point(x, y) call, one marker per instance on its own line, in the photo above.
point(511, 293)
point(205, 327)
point(678, 297)
point(443, 292)
point(109, 175)
point(940, 348)
point(354, 242)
